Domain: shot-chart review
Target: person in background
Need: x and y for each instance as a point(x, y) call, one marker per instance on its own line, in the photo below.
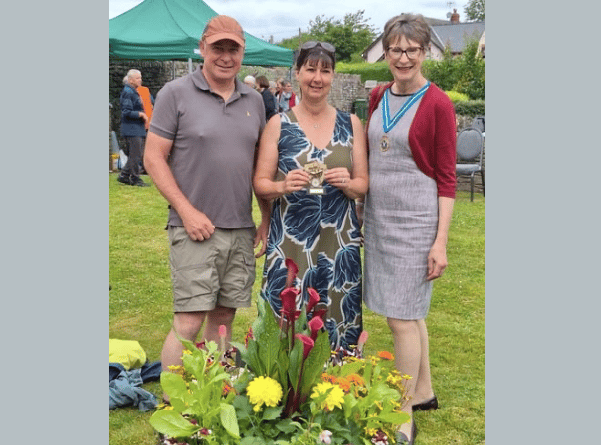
point(280, 87)
point(133, 121)
point(411, 134)
point(284, 96)
point(320, 230)
point(292, 100)
point(250, 81)
point(147, 104)
point(200, 153)
point(268, 98)
point(273, 87)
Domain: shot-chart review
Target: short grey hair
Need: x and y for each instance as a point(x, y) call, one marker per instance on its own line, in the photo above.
point(412, 26)
point(129, 75)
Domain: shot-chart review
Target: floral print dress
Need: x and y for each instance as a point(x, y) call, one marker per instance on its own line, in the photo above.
point(320, 233)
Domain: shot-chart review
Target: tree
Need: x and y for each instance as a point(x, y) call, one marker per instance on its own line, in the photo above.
point(474, 10)
point(351, 35)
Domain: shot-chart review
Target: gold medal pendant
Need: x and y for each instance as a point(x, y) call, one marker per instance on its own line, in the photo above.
point(384, 143)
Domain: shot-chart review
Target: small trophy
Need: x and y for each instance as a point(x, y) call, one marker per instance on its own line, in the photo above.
point(316, 169)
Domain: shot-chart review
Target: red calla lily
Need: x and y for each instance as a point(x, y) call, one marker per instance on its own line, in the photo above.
point(292, 272)
point(307, 342)
point(288, 297)
point(315, 325)
point(313, 299)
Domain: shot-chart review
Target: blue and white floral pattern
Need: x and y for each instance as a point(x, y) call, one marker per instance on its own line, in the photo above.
point(320, 233)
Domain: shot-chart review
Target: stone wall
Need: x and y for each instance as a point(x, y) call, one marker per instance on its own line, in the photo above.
point(346, 88)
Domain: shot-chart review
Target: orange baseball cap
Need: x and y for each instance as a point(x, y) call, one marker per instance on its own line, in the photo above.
point(223, 27)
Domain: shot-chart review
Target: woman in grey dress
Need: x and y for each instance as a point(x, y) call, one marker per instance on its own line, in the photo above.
point(411, 133)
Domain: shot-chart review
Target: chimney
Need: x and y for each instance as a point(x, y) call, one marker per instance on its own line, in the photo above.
point(454, 16)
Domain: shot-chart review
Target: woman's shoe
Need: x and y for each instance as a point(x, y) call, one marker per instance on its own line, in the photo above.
point(402, 439)
point(427, 405)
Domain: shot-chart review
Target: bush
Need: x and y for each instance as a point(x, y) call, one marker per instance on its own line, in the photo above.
point(455, 96)
point(471, 72)
point(442, 72)
point(471, 108)
point(378, 71)
point(464, 73)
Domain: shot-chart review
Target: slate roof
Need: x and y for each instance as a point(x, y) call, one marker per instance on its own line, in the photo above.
point(456, 34)
point(445, 32)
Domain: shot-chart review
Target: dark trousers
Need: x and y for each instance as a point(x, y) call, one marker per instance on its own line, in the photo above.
point(135, 147)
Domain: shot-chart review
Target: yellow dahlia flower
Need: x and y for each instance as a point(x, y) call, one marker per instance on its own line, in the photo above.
point(264, 390)
point(334, 398)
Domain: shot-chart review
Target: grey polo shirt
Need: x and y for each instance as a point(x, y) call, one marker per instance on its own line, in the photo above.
point(214, 145)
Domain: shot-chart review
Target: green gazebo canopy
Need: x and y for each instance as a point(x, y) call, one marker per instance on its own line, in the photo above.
point(171, 29)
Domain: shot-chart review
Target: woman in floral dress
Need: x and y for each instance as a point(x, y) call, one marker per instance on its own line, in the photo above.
point(313, 219)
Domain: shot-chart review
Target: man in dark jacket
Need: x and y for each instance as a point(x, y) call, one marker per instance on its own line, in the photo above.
point(133, 120)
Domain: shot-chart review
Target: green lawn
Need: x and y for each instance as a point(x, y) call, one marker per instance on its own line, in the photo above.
point(140, 309)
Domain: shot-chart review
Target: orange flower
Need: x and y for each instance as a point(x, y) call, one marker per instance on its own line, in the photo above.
point(344, 384)
point(328, 378)
point(385, 355)
point(227, 389)
point(356, 379)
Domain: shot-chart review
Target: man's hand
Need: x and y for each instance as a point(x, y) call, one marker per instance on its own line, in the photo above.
point(198, 226)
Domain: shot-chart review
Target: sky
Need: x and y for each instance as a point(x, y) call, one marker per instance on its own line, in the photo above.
point(282, 19)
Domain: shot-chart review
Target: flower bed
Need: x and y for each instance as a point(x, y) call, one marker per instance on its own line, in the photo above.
point(292, 390)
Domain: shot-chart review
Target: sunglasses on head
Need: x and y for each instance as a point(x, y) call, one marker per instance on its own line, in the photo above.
point(313, 44)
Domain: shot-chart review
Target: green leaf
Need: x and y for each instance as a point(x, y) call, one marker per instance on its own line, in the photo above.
point(283, 366)
point(350, 368)
point(349, 403)
point(267, 339)
point(172, 423)
point(219, 378)
point(252, 441)
point(242, 404)
point(174, 386)
point(288, 426)
point(296, 361)
point(229, 420)
point(252, 360)
point(315, 362)
point(394, 418)
point(272, 413)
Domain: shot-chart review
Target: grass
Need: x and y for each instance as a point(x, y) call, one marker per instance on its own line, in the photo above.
point(140, 309)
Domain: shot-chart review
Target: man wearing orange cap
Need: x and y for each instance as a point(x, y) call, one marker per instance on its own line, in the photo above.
point(200, 153)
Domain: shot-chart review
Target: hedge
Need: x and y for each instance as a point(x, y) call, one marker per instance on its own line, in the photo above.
point(471, 108)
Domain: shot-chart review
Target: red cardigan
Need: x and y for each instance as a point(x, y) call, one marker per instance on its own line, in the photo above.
point(432, 136)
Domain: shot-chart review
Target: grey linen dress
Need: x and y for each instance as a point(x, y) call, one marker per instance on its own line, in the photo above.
point(400, 221)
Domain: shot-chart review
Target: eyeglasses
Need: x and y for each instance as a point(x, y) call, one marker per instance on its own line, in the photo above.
point(412, 52)
point(313, 43)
